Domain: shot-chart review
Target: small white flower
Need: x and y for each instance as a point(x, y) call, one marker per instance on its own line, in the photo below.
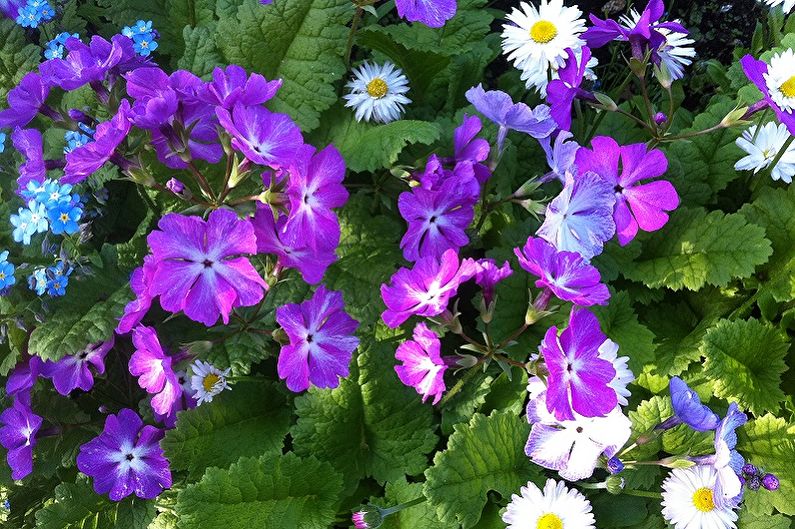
point(780, 79)
point(762, 146)
point(689, 500)
point(787, 5)
point(609, 351)
point(536, 39)
point(207, 381)
point(378, 92)
point(556, 507)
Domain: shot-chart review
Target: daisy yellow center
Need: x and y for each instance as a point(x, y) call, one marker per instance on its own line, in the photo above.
point(788, 87)
point(702, 499)
point(543, 31)
point(549, 521)
point(210, 381)
point(377, 88)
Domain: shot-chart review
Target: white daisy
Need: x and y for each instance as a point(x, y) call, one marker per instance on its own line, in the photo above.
point(378, 92)
point(556, 507)
point(609, 351)
point(677, 50)
point(207, 381)
point(787, 5)
point(689, 501)
point(536, 39)
point(780, 79)
point(762, 147)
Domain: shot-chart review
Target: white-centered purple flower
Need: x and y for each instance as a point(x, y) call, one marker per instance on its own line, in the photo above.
point(422, 366)
point(126, 458)
point(30, 145)
point(154, 370)
point(560, 155)
point(231, 85)
point(135, 310)
point(73, 371)
point(322, 341)
point(18, 436)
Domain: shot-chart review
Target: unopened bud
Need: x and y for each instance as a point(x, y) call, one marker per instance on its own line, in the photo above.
point(677, 462)
point(367, 518)
point(280, 336)
point(615, 484)
point(614, 465)
point(770, 482)
point(754, 483)
point(606, 101)
point(735, 117)
point(660, 118)
point(176, 187)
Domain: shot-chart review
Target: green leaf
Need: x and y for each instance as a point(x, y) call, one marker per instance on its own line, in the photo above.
point(219, 434)
point(369, 146)
point(17, 56)
point(201, 55)
point(77, 506)
point(748, 520)
point(371, 425)
point(676, 441)
point(300, 41)
point(422, 516)
point(697, 248)
point(769, 443)
point(620, 324)
point(745, 359)
point(73, 327)
point(284, 491)
point(486, 454)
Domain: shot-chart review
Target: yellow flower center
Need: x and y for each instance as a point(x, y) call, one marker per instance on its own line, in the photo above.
point(377, 88)
point(702, 499)
point(543, 31)
point(64, 217)
point(549, 521)
point(788, 87)
point(210, 381)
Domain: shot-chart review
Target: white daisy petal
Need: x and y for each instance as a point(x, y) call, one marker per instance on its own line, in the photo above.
point(762, 146)
point(377, 93)
point(555, 507)
point(207, 381)
point(688, 500)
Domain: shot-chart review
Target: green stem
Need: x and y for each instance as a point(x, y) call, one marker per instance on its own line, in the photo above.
point(392, 510)
point(357, 18)
point(642, 493)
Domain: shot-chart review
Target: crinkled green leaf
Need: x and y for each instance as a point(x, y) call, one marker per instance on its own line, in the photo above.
point(748, 520)
point(486, 454)
point(676, 441)
point(697, 248)
point(283, 491)
point(620, 323)
point(220, 433)
point(422, 516)
point(201, 54)
point(745, 359)
point(17, 56)
point(77, 506)
point(299, 41)
point(371, 425)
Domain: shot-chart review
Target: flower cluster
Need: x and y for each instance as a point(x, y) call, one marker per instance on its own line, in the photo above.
point(143, 37)
point(51, 206)
point(34, 12)
point(55, 47)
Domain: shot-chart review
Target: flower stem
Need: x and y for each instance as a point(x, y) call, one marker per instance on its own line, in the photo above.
point(357, 18)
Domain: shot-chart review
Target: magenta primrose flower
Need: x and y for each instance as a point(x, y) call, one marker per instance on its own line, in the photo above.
point(201, 268)
point(311, 263)
point(72, 372)
point(18, 437)
point(638, 205)
point(86, 159)
point(566, 274)
point(578, 379)
point(468, 147)
point(89, 63)
point(154, 370)
point(561, 92)
point(321, 344)
point(422, 365)
point(30, 145)
point(264, 137)
point(23, 377)
point(135, 310)
point(432, 13)
point(24, 101)
point(232, 85)
point(425, 289)
point(487, 276)
point(126, 458)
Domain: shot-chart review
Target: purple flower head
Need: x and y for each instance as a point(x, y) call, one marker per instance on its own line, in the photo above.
point(580, 218)
point(728, 461)
point(756, 71)
point(437, 219)
point(10, 8)
point(264, 137)
point(22, 378)
point(432, 13)
point(154, 370)
point(232, 85)
point(30, 145)
point(566, 274)
point(86, 159)
point(314, 188)
point(579, 381)
point(425, 289)
point(572, 447)
point(18, 437)
point(422, 366)
point(135, 310)
point(90, 63)
point(155, 102)
point(560, 155)
point(562, 91)
point(638, 205)
point(24, 101)
point(498, 107)
point(321, 341)
point(72, 372)
point(201, 268)
point(487, 276)
point(468, 147)
point(126, 458)
point(688, 408)
point(311, 263)
point(175, 186)
point(197, 117)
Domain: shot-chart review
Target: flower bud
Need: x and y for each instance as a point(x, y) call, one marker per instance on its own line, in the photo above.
point(615, 484)
point(368, 518)
point(735, 117)
point(606, 101)
point(677, 462)
point(754, 483)
point(750, 470)
point(614, 465)
point(770, 482)
point(660, 118)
